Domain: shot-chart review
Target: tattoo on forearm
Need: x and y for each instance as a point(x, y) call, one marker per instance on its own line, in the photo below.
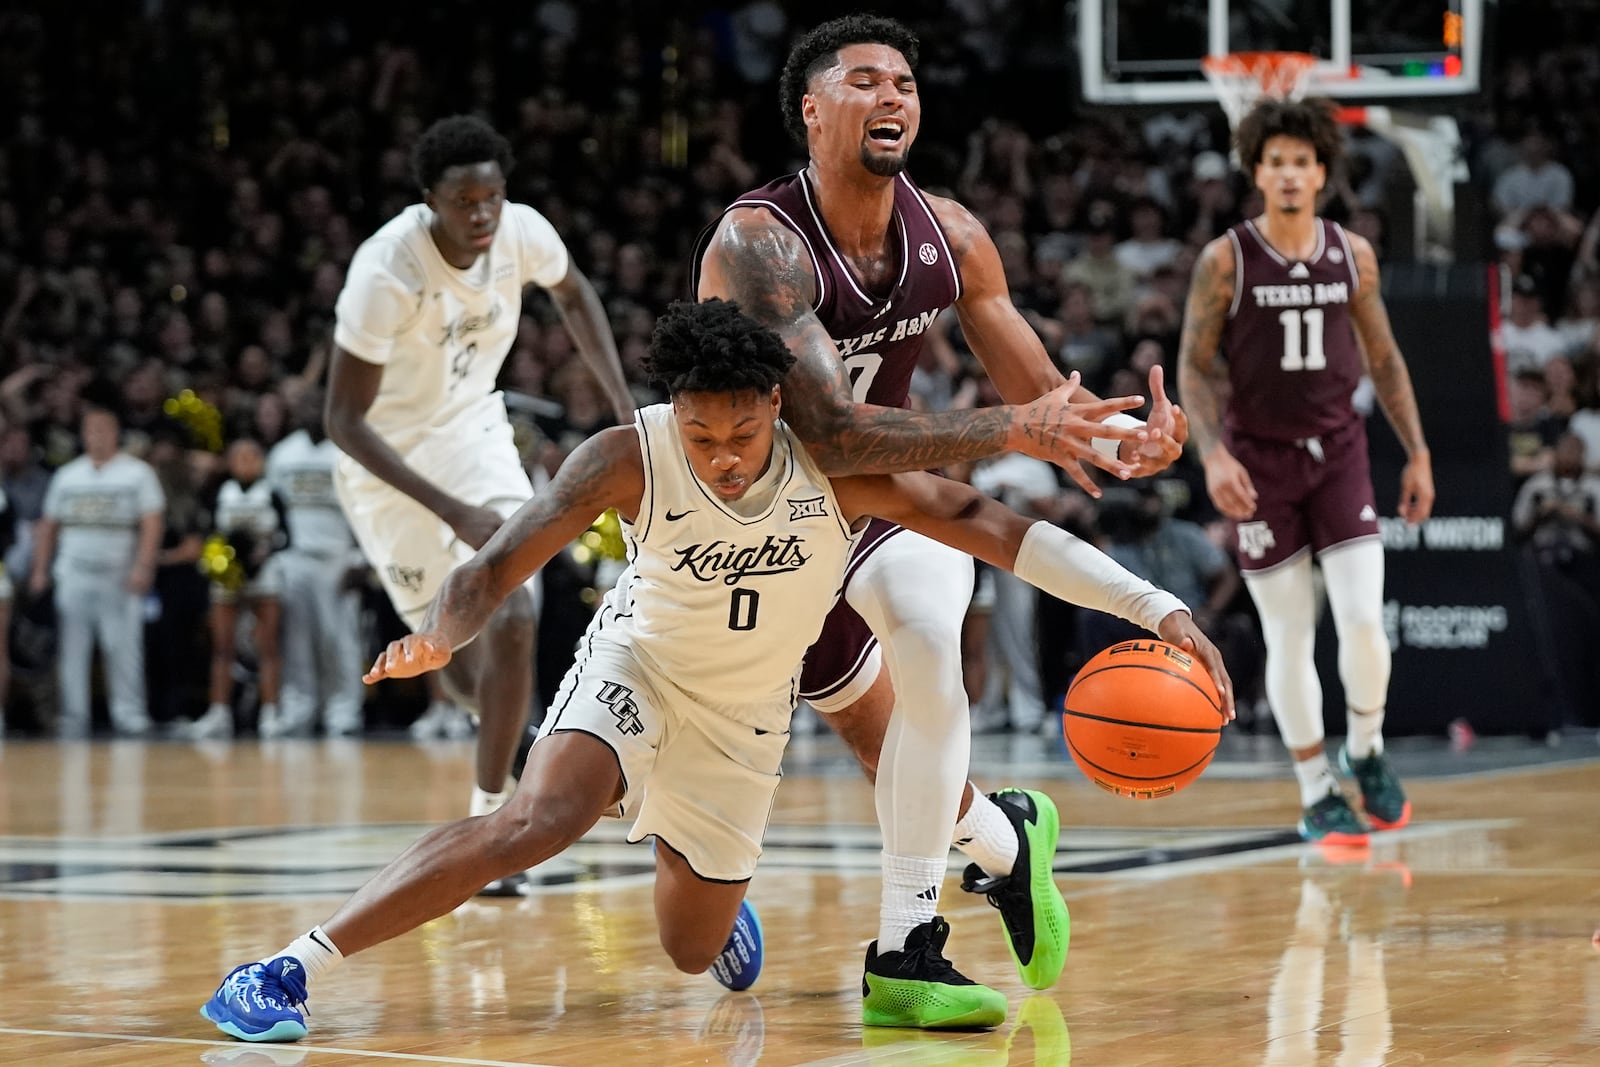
point(1391, 380)
point(768, 273)
point(1202, 380)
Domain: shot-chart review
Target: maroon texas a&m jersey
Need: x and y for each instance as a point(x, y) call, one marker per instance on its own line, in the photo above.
point(879, 334)
point(1293, 359)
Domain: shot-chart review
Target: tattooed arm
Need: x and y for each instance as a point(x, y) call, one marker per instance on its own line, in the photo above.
point(1392, 382)
point(760, 264)
point(1010, 349)
point(1203, 380)
point(606, 471)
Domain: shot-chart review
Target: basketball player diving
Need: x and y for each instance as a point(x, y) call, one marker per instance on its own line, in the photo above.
point(850, 263)
point(676, 712)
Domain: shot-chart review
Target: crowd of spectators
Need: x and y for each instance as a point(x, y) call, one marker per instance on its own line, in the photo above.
point(182, 186)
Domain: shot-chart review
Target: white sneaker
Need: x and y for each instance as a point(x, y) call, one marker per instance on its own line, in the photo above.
point(436, 722)
point(215, 723)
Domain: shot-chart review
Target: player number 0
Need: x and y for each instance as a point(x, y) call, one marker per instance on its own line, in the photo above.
point(742, 611)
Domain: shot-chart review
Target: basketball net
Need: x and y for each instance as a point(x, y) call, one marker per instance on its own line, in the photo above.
point(1242, 78)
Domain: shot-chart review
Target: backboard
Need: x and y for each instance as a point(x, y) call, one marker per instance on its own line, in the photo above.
point(1149, 51)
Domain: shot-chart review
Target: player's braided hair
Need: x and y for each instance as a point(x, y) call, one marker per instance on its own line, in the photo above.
point(818, 50)
point(713, 347)
point(1306, 120)
point(459, 140)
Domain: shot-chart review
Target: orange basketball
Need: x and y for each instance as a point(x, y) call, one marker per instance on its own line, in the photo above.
point(1143, 719)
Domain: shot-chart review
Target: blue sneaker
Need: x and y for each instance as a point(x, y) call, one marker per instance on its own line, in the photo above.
point(261, 1001)
point(740, 962)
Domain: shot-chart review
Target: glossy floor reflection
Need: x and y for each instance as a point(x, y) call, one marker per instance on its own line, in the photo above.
point(133, 875)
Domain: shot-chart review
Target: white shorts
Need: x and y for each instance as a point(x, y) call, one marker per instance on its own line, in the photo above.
point(267, 584)
point(695, 778)
point(409, 546)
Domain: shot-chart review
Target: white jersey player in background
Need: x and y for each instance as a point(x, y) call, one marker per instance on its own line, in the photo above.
point(97, 539)
point(322, 654)
point(677, 710)
point(428, 312)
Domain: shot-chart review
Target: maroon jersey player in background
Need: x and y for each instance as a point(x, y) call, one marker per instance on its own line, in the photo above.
point(1292, 302)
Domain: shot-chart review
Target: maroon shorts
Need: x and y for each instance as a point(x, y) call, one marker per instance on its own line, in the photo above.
point(1313, 494)
point(846, 644)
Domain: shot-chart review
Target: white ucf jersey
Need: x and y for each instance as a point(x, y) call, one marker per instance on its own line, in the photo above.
point(440, 333)
point(723, 600)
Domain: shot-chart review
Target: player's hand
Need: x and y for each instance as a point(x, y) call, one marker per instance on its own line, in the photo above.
point(1180, 629)
point(140, 580)
point(1168, 429)
point(474, 526)
point(1058, 431)
point(1229, 484)
point(1416, 489)
point(410, 656)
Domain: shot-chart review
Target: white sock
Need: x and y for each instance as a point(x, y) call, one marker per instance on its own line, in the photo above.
point(315, 951)
point(986, 836)
point(1316, 779)
point(269, 711)
point(219, 711)
point(1363, 732)
point(484, 802)
point(910, 897)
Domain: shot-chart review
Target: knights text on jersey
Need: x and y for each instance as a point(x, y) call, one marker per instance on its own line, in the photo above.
point(880, 335)
point(1293, 359)
point(440, 333)
point(726, 604)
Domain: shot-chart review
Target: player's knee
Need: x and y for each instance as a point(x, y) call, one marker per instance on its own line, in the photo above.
point(690, 951)
point(926, 648)
point(514, 622)
point(532, 829)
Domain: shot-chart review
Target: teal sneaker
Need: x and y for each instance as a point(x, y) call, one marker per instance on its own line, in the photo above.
point(1330, 821)
point(1032, 910)
point(1382, 795)
point(918, 987)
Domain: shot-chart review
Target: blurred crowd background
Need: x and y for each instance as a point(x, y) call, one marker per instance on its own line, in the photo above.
point(182, 187)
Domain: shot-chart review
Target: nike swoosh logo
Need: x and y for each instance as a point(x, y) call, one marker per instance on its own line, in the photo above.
point(674, 518)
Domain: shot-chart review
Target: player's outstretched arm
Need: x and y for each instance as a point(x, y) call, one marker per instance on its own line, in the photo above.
point(1015, 358)
point(1391, 380)
point(1043, 555)
point(760, 264)
point(585, 319)
point(606, 471)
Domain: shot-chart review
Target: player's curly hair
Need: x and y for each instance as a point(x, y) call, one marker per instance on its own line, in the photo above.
point(818, 50)
point(459, 140)
point(1307, 120)
point(712, 347)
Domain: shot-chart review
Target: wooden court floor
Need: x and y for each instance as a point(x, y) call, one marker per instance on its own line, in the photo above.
point(134, 874)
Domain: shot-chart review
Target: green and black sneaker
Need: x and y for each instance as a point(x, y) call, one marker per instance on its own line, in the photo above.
point(1331, 821)
point(917, 987)
point(1382, 795)
point(1032, 910)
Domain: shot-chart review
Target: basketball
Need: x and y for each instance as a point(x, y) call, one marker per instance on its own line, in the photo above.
point(1142, 719)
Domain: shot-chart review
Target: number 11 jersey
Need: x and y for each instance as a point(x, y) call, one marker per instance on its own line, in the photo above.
point(1293, 360)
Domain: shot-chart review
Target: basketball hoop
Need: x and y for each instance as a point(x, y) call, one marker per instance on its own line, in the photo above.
point(1241, 78)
